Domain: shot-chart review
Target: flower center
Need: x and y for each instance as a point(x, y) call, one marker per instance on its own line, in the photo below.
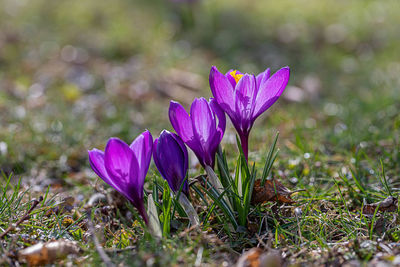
point(236, 76)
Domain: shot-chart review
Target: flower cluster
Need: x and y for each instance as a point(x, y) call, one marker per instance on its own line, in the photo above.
point(243, 97)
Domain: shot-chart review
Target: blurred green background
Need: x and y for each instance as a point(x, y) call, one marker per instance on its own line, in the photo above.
point(73, 73)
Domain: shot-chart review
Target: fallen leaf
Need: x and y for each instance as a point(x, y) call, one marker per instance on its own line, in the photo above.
point(250, 258)
point(379, 225)
point(272, 190)
point(48, 253)
point(256, 257)
point(389, 204)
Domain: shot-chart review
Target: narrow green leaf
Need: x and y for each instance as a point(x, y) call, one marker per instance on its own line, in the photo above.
point(167, 201)
point(210, 210)
point(384, 180)
point(218, 199)
point(177, 205)
point(373, 221)
point(358, 184)
point(270, 160)
point(226, 179)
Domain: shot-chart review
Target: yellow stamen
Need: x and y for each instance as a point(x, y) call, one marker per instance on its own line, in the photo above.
point(236, 76)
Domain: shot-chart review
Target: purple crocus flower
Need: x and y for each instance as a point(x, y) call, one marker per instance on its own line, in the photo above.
point(125, 167)
point(244, 97)
point(171, 158)
point(203, 130)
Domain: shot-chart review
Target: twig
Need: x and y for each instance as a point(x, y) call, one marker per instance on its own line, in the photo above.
point(26, 216)
point(260, 241)
point(104, 257)
point(119, 250)
point(301, 251)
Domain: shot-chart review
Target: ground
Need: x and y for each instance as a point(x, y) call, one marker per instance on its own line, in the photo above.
point(73, 74)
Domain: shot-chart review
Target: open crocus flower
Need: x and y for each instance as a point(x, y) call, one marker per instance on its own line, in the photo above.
point(171, 158)
point(203, 130)
point(244, 97)
point(125, 167)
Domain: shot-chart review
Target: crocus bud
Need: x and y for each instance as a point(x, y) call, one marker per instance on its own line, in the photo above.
point(171, 158)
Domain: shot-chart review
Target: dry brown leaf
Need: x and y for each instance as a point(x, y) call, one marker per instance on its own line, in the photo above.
point(272, 190)
point(256, 257)
point(47, 253)
point(250, 258)
point(389, 204)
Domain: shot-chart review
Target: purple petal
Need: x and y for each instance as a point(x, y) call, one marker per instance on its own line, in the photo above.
point(203, 121)
point(155, 155)
point(197, 148)
point(262, 77)
point(96, 159)
point(220, 115)
point(245, 97)
point(134, 191)
point(222, 90)
point(184, 150)
point(182, 124)
point(142, 148)
point(118, 158)
point(142, 211)
point(270, 90)
point(180, 121)
point(158, 157)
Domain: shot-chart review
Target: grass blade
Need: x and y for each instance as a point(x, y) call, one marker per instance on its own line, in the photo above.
point(270, 160)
